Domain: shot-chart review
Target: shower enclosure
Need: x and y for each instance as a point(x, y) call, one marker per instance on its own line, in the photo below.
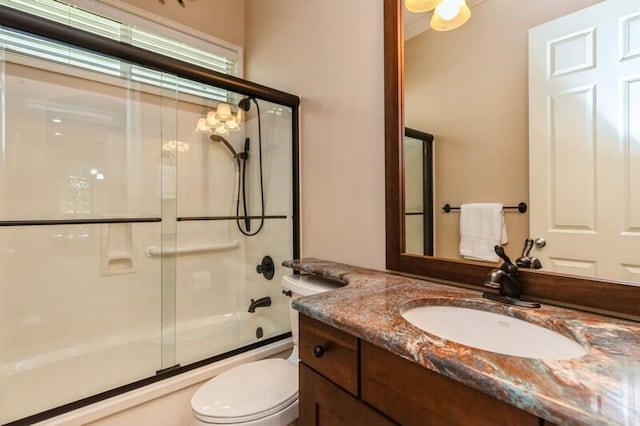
point(121, 256)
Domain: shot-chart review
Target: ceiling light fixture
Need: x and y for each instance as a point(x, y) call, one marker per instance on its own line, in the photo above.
point(420, 6)
point(180, 2)
point(448, 14)
point(221, 120)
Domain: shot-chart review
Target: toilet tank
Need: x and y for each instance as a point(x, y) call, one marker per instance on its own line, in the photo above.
point(305, 285)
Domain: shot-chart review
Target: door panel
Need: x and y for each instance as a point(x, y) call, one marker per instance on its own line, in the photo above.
point(572, 142)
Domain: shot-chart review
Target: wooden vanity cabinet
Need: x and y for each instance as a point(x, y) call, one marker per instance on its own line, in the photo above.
point(329, 379)
point(346, 381)
point(323, 403)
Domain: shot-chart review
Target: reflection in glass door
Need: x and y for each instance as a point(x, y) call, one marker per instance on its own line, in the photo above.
point(418, 192)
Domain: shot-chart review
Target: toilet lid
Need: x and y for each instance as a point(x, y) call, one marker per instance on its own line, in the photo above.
point(247, 392)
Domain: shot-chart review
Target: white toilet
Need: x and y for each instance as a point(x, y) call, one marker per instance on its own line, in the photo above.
point(259, 393)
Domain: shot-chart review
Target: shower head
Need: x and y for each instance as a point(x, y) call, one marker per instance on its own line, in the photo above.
point(245, 104)
point(218, 138)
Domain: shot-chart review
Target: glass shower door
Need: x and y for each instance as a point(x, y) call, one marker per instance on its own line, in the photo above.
point(216, 266)
point(131, 223)
point(81, 203)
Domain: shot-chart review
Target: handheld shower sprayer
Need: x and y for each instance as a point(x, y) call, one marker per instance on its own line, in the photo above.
point(218, 138)
point(244, 105)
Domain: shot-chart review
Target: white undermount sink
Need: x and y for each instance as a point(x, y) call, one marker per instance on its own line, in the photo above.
point(493, 332)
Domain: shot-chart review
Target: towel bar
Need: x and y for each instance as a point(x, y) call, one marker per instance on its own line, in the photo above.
point(522, 207)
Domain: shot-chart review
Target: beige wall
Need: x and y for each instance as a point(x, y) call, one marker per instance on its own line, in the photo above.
point(223, 19)
point(330, 53)
point(469, 87)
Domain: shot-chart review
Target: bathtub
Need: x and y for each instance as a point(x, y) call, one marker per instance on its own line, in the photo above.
point(164, 403)
point(97, 364)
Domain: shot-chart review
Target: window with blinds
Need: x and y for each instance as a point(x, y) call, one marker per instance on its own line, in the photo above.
point(224, 59)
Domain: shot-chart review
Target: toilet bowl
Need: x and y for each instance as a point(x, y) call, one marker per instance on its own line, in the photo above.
point(259, 393)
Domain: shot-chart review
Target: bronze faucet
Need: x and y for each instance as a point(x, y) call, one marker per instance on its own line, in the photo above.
point(507, 281)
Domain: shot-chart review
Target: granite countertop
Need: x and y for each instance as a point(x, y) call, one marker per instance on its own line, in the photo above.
point(601, 387)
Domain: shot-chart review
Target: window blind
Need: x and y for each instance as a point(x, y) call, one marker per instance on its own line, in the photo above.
point(76, 17)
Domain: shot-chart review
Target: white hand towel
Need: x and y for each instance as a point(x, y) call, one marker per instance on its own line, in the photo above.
point(481, 229)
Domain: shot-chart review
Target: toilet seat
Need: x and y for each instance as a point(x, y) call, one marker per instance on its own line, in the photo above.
point(248, 392)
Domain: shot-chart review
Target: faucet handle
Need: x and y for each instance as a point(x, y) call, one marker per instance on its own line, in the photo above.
point(500, 252)
point(528, 245)
point(508, 265)
point(524, 261)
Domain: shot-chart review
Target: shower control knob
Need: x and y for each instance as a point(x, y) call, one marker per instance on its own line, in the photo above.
point(266, 267)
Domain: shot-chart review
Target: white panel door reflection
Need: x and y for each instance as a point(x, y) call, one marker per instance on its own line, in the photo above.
point(584, 162)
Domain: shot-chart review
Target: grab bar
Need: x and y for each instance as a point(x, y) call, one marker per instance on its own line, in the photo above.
point(153, 251)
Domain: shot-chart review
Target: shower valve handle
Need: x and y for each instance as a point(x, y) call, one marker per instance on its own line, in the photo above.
point(266, 267)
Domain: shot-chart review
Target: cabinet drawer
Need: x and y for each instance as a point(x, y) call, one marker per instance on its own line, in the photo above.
point(330, 352)
point(413, 395)
point(324, 404)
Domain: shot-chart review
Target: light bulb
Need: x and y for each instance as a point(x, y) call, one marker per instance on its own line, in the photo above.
point(449, 9)
point(221, 130)
point(240, 115)
point(232, 125)
point(201, 126)
point(444, 18)
point(223, 112)
point(420, 6)
point(212, 121)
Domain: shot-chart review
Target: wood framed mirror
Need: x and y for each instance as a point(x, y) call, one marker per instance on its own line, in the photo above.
point(599, 295)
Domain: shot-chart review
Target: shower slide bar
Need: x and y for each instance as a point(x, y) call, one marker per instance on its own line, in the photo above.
point(44, 222)
point(194, 218)
point(153, 251)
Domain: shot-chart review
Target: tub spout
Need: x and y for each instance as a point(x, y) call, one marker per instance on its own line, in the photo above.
point(260, 303)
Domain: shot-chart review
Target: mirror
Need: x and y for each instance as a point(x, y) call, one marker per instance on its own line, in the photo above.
point(611, 296)
point(495, 93)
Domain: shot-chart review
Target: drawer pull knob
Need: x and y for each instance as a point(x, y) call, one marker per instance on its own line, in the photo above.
point(318, 351)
